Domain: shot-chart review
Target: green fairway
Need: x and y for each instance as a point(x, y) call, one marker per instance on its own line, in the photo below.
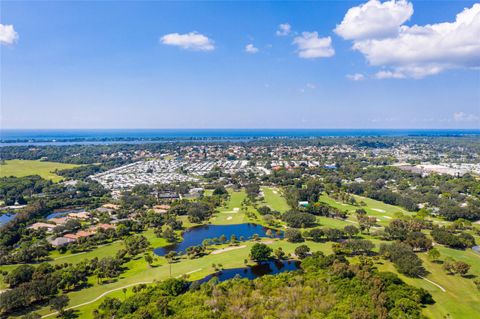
point(20, 168)
point(383, 212)
point(231, 212)
point(461, 298)
point(138, 272)
point(274, 199)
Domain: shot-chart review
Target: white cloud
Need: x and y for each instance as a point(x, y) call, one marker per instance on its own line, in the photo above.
point(250, 48)
point(310, 46)
point(374, 19)
point(419, 51)
point(311, 86)
point(189, 41)
point(389, 75)
point(8, 35)
point(284, 29)
point(464, 117)
point(356, 77)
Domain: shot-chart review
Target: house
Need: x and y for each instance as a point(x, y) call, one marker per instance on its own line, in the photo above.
point(102, 226)
point(59, 220)
point(48, 227)
point(168, 195)
point(79, 234)
point(61, 241)
point(111, 206)
point(79, 215)
point(161, 209)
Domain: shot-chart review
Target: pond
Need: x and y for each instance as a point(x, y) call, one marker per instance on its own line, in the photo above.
point(265, 268)
point(194, 236)
point(476, 248)
point(5, 218)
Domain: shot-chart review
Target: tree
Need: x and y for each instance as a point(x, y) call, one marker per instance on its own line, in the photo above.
point(316, 234)
point(169, 234)
point(293, 235)
point(397, 230)
point(359, 246)
point(433, 254)
point(149, 259)
point(461, 268)
point(136, 244)
point(264, 210)
point(302, 251)
point(260, 252)
point(19, 275)
point(170, 256)
point(418, 241)
point(220, 190)
point(366, 222)
point(124, 290)
point(59, 303)
point(223, 238)
point(298, 219)
point(279, 253)
point(333, 234)
point(405, 260)
point(269, 233)
point(351, 230)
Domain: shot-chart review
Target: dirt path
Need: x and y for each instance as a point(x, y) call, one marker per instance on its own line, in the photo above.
point(433, 283)
point(99, 297)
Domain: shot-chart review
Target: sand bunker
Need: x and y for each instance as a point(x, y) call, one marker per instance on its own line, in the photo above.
point(219, 251)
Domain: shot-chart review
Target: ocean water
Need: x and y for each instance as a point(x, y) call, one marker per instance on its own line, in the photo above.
point(99, 136)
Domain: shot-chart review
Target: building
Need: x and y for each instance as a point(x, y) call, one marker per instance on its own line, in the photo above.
point(48, 227)
point(61, 241)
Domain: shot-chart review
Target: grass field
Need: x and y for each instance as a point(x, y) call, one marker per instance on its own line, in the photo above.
point(231, 212)
point(274, 199)
point(461, 299)
point(20, 168)
point(138, 271)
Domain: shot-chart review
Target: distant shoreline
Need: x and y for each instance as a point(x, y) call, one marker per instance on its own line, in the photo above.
point(18, 137)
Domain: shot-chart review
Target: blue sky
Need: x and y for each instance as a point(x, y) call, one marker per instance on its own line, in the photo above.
point(185, 65)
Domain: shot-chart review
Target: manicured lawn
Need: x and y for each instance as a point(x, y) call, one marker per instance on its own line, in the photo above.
point(383, 212)
point(460, 301)
point(274, 199)
point(231, 212)
point(461, 298)
point(20, 168)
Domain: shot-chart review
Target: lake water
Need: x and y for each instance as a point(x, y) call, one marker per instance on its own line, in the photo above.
point(266, 268)
point(5, 218)
point(476, 248)
point(194, 236)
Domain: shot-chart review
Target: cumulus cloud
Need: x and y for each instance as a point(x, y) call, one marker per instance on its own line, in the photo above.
point(389, 75)
point(374, 19)
point(418, 51)
point(250, 48)
point(356, 77)
point(464, 117)
point(284, 29)
point(193, 41)
point(310, 46)
point(8, 35)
